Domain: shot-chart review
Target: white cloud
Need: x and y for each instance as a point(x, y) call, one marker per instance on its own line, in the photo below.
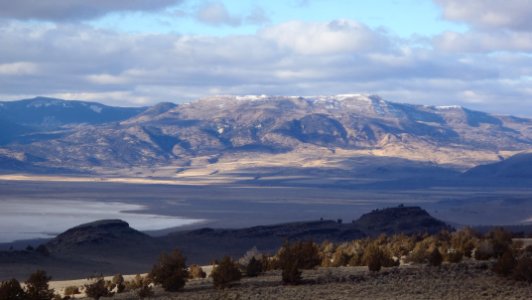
point(75, 61)
point(106, 79)
point(494, 14)
point(18, 68)
point(495, 26)
point(481, 41)
point(338, 36)
point(215, 13)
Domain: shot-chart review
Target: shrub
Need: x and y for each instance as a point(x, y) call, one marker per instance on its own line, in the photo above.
point(136, 283)
point(196, 271)
point(37, 286)
point(97, 289)
point(501, 240)
point(254, 268)
point(296, 256)
point(71, 290)
point(290, 272)
point(484, 251)
point(170, 271)
point(464, 240)
point(420, 253)
point(505, 264)
point(309, 255)
point(523, 269)
point(118, 282)
point(145, 291)
point(340, 258)
point(268, 263)
point(454, 256)
point(306, 253)
point(435, 258)
point(251, 253)
point(11, 290)
point(225, 273)
point(373, 257)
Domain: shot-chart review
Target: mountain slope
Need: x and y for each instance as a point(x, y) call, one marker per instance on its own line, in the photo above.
point(517, 166)
point(222, 135)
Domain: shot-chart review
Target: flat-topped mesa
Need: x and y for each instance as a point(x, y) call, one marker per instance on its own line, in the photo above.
point(103, 232)
point(100, 224)
point(401, 219)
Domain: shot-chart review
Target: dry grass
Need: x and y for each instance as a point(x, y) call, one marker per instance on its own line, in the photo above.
point(469, 280)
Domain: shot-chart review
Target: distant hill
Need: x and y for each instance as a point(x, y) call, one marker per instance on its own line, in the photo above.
point(51, 112)
point(111, 246)
point(517, 166)
point(401, 219)
point(112, 234)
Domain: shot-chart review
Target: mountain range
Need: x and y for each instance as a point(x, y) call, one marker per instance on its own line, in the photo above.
point(252, 137)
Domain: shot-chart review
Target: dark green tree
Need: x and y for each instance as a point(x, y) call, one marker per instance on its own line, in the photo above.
point(37, 286)
point(97, 289)
point(254, 267)
point(170, 271)
point(225, 273)
point(11, 290)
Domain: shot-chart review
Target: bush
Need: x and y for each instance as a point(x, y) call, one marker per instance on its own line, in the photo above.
point(97, 289)
point(523, 269)
point(268, 263)
point(71, 290)
point(225, 273)
point(505, 264)
point(254, 268)
point(454, 256)
point(37, 286)
point(136, 283)
point(251, 253)
point(296, 256)
point(373, 257)
point(306, 253)
point(196, 271)
point(484, 251)
point(290, 272)
point(145, 291)
point(464, 240)
point(170, 271)
point(435, 258)
point(501, 240)
point(11, 290)
point(118, 282)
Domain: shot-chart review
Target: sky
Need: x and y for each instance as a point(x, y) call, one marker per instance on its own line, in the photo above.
point(475, 53)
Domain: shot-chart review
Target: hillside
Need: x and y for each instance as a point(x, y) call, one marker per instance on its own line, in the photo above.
point(227, 135)
point(109, 246)
point(518, 167)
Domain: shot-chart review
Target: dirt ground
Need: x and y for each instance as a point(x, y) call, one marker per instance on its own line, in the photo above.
point(471, 280)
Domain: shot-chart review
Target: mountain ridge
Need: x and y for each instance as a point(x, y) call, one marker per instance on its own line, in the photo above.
point(221, 134)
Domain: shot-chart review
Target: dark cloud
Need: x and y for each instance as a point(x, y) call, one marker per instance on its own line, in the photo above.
point(71, 10)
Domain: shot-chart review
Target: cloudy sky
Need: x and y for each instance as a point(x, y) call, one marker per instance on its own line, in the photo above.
point(475, 53)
